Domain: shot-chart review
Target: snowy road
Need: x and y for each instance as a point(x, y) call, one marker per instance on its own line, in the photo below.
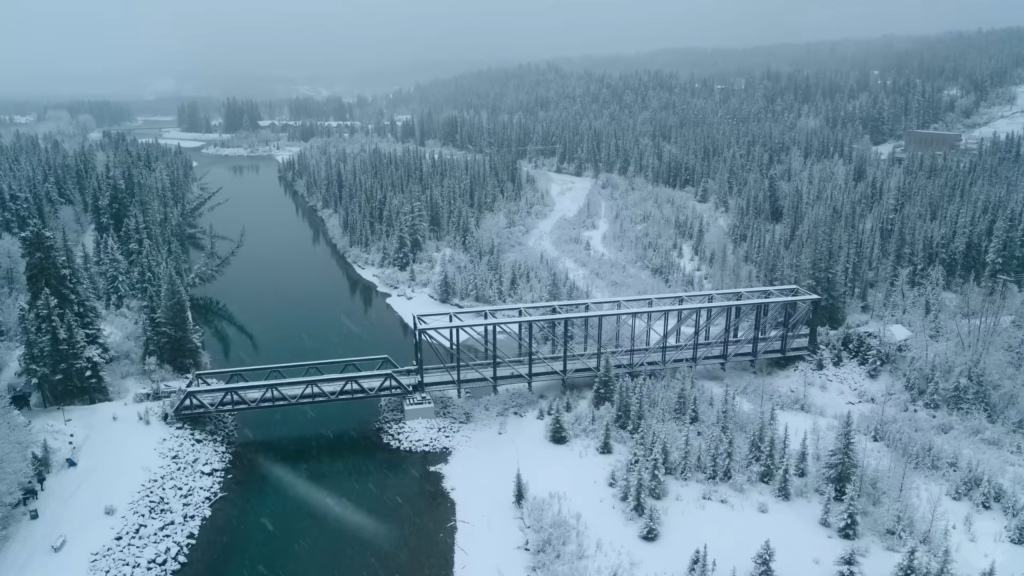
point(569, 194)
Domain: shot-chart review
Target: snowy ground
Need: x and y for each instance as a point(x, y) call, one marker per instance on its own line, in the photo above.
point(175, 134)
point(277, 152)
point(1008, 119)
point(503, 434)
point(175, 142)
point(883, 150)
point(569, 193)
point(123, 463)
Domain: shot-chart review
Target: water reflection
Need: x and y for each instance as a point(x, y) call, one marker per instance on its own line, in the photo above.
point(244, 169)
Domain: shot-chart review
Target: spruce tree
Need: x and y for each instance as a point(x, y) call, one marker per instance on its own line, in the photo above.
point(849, 563)
point(178, 343)
point(768, 454)
point(800, 466)
point(46, 457)
point(909, 564)
point(650, 528)
point(763, 560)
point(693, 568)
point(622, 404)
point(990, 571)
point(1015, 530)
point(783, 488)
point(944, 563)
point(848, 526)
point(681, 409)
point(683, 464)
point(825, 517)
point(604, 386)
point(518, 490)
point(605, 447)
point(840, 466)
point(557, 432)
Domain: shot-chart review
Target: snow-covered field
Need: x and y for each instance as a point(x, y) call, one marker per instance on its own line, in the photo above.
point(1008, 119)
point(159, 481)
point(489, 439)
point(569, 193)
point(278, 153)
point(175, 142)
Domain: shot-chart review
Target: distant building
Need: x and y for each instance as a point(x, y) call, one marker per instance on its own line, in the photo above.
point(928, 141)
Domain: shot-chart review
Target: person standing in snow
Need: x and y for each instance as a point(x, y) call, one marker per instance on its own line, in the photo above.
point(41, 478)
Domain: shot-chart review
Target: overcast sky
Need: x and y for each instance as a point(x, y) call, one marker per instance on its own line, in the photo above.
point(137, 47)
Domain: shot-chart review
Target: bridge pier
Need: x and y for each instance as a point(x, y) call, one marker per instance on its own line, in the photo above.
point(418, 406)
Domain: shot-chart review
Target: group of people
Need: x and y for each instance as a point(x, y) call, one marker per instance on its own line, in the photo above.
point(29, 492)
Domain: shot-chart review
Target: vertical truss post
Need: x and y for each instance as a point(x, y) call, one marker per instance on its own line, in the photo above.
point(519, 339)
point(494, 356)
point(600, 324)
point(696, 334)
point(458, 362)
point(784, 345)
point(679, 325)
point(486, 345)
point(565, 349)
point(529, 356)
point(451, 340)
point(586, 328)
point(812, 323)
point(728, 333)
point(664, 338)
point(418, 353)
point(707, 320)
point(632, 339)
point(757, 331)
point(647, 341)
point(618, 327)
point(736, 322)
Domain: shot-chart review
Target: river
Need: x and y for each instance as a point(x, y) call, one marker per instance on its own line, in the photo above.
point(302, 301)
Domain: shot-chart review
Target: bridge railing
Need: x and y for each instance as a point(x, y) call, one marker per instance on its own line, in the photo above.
point(291, 370)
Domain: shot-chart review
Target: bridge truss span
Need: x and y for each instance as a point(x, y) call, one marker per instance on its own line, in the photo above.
point(487, 347)
point(562, 340)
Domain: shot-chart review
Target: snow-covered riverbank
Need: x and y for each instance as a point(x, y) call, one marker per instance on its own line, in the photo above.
point(158, 479)
point(490, 438)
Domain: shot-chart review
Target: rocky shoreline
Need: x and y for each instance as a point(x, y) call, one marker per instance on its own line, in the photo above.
point(162, 521)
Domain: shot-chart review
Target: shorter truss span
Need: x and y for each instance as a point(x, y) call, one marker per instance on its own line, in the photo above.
point(499, 345)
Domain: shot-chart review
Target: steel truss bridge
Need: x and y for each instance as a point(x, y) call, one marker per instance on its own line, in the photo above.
point(488, 347)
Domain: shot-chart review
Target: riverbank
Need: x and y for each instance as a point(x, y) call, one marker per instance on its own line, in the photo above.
point(157, 480)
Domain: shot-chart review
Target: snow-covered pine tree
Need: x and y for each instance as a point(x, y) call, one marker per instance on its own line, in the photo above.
point(769, 454)
point(638, 486)
point(783, 486)
point(840, 466)
point(519, 490)
point(568, 404)
point(704, 569)
point(605, 447)
point(848, 523)
point(623, 398)
point(651, 525)
point(557, 433)
point(46, 457)
point(693, 568)
point(655, 472)
point(763, 560)
point(178, 342)
point(15, 447)
point(681, 409)
point(683, 461)
point(638, 405)
point(800, 466)
point(604, 385)
point(943, 565)
point(909, 564)
point(784, 447)
point(825, 517)
point(755, 446)
point(1015, 530)
point(990, 571)
point(848, 563)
